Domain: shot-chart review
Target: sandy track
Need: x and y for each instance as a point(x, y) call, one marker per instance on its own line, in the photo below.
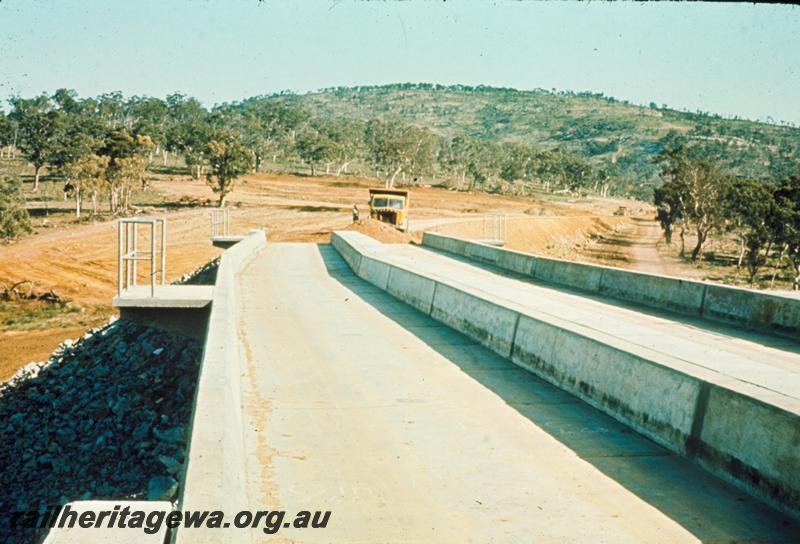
point(79, 261)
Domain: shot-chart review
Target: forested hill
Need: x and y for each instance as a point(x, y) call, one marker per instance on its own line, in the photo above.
point(482, 138)
point(600, 128)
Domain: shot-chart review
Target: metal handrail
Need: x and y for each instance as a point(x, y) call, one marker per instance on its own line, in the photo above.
point(498, 223)
point(219, 222)
point(129, 253)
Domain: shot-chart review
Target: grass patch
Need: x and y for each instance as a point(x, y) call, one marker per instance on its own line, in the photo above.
point(37, 314)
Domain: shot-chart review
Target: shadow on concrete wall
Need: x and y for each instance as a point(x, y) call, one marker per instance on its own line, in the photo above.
point(704, 505)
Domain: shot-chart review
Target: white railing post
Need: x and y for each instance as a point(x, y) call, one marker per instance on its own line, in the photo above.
point(119, 257)
point(129, 253)
point(163, 251)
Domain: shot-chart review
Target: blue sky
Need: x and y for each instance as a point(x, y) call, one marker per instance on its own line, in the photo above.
point(740, 59)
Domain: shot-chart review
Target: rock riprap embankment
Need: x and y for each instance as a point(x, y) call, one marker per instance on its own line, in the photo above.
point(107, 417)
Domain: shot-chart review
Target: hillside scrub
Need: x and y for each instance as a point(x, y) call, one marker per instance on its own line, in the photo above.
point(467, 138)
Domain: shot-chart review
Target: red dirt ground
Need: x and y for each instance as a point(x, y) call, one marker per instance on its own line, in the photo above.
point(79, 260)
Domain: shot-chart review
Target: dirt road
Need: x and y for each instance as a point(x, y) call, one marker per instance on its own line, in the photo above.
point(644, 253)
point(633, 246)
point(78, 260)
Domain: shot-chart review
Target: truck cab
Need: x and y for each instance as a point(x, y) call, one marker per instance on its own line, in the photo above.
point(389, 206)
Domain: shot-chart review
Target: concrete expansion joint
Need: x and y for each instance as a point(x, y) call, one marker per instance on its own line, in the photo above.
point(433, 298)
point(514, 335)
point(693, 440)
point(701, 309)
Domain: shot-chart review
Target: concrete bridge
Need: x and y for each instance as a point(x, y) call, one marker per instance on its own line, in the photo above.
point(459, 392)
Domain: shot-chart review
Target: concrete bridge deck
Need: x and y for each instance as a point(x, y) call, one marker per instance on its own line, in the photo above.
point(410, 432)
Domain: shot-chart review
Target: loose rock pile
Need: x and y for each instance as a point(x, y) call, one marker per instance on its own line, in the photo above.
point(106, 418)
point(205, 275)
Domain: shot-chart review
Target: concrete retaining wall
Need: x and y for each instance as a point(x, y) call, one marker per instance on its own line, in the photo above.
point(680, 406)
point(746, 307)
point(215, 475)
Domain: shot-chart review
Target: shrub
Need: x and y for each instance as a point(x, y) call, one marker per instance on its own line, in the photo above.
point(14, 218)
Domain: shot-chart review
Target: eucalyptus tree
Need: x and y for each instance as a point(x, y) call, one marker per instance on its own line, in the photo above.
point(149, 117)
point(455, 155)
point(8, 131)
point(314, 147)
point(670, 201)
point(786, 223)
point(703, 188)
point(346, 140)
point(228, 159)
point(398, 149)
point(267, 126)
point(188, 131)
point(14, 218)
point(37, 123)
point(88, 174)
point(125, 167)
point(749, 208)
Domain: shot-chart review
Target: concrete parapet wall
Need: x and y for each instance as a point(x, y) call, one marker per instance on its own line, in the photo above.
point(521, 263)
point(570, 274)
point(685, 297)
point(412, 289)
point(745, 307)
point(351, 256)
point(374, 271)
point(763, 454)
point(483, 252)
point(215, 474)
point(491, 324)
point(653, 399)
point(752, 308)
point(687, 409)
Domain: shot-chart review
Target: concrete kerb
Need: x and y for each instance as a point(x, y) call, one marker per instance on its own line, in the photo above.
point(738, 306)
point(677, 406)
point(214, 478)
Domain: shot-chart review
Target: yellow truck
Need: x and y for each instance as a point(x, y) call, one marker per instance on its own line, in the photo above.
point(389, 206)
